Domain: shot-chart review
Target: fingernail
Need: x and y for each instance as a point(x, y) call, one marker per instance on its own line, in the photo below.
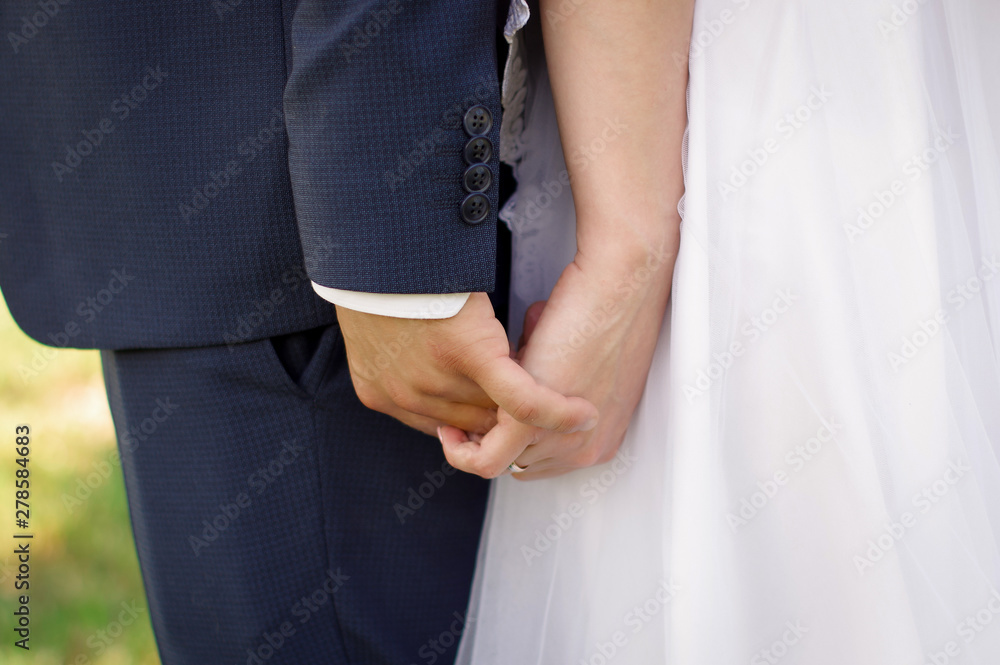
point(440, 436)
point(589, 425)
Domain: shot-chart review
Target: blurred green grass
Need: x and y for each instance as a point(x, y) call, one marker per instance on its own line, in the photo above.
point(83, 561)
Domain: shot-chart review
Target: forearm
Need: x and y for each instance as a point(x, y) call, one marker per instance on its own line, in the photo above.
point(620, 100)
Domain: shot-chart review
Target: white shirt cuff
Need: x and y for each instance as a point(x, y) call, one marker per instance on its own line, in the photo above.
point(398, 305)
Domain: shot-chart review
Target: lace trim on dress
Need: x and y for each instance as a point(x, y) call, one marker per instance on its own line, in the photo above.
point(514, 92)
point(514, 89)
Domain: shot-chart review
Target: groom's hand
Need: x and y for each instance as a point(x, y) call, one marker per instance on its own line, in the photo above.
point(455, 371)
point(594, 337)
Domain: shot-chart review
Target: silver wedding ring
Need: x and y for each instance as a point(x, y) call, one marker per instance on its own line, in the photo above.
point(514, 468)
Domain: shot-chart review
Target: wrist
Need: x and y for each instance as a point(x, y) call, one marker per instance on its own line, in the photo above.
point(644, 258)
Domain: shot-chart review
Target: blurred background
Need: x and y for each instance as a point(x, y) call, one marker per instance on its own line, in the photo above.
point(85, 582)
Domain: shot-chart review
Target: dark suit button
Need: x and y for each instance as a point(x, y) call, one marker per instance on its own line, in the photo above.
point(477, 178)
point(478, 120)
point(475, 208)
point(478, 150)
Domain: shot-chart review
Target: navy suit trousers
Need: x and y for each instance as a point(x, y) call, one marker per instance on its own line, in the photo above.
point(280, 521)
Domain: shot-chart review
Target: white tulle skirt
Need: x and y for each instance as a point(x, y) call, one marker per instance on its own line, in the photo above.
point(811, 477)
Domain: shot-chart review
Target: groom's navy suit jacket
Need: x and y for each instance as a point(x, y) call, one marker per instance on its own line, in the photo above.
point(172, 176)
point(171, 172)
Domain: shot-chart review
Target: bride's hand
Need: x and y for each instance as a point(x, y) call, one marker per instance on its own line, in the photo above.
point(593, 338)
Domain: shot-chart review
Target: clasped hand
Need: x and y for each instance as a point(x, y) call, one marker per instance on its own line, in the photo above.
point(562, 403)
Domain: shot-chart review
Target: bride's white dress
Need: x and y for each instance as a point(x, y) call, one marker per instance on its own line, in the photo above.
point(811, 477)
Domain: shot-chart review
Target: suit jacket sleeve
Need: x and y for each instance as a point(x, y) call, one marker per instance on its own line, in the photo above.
point(393, 115)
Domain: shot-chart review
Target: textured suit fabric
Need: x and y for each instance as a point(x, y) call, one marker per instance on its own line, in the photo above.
point(172, 175)
point(411, 196)
point(254, 489)
point(163, 142)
